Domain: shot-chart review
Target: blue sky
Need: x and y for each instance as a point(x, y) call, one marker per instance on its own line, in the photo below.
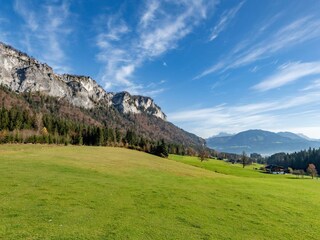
point(212, 66)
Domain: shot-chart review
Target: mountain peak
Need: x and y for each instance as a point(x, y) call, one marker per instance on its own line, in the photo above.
point(291, 135)
point(127, 103)
point(21, 73)
point(223, 134)
point(261, 141)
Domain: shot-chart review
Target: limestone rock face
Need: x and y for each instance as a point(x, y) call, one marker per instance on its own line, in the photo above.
point(126, 103)
point(22, 73)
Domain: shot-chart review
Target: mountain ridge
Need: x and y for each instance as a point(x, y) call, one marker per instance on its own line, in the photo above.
point(22, 73)
point(26, 83)
point(260, 141)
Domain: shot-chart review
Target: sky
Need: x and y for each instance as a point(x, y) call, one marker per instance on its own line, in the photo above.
point(212, 66)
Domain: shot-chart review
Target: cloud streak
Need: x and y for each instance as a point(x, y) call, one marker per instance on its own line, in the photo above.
point(315, 85)
point(149, 14)
point(292, 34)
point(262, 115)
point(224, 21)
point(124, 49)
point(46, 28)
point(287, 74)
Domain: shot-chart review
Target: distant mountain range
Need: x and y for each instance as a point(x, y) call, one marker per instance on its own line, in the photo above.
point(259, 141)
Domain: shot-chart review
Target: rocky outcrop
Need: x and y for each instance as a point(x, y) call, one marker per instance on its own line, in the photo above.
point(126, 103)
point(22, 73)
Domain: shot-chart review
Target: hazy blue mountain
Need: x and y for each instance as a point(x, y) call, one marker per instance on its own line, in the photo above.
point(306, 137)
point(259, 141)
point(223, 134)
point(291, 135)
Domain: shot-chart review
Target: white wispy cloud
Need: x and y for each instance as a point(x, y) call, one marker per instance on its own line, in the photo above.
point(149, 14)
point(254, 69)
point(224, 21)
point(287, 74)
point(45, 30)
point(115, 53)
point(314, 85)
point(125, 48)
point(296, 32)
point(270, 21)
point(262, 115)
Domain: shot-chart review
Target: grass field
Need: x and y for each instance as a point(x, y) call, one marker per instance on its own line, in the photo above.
point(58, 192)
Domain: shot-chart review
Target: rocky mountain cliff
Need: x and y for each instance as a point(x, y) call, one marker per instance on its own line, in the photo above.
point(31, 86)
point(22, 74)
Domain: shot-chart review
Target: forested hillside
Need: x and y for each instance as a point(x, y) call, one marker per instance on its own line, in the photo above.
point(297, 160)
point(37, 118)
point(34, 88)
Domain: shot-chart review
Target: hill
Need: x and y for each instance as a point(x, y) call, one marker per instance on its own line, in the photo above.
point(259, 141)
point(292, 136)
point(32, 86)
point(73, 192)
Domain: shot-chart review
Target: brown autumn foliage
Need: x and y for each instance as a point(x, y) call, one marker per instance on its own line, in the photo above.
point(312, 170)
point(144, 125)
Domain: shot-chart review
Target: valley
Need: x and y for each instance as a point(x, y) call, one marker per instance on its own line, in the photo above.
point(156, 120)
point(81, 192)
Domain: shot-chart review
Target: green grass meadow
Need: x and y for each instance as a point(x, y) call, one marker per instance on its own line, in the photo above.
point(77, 192)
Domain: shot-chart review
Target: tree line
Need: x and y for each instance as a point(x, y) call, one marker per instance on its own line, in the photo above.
point(18, 126)
point(298, 160)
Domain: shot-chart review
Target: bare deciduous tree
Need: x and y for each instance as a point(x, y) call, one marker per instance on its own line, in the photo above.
point(244, 159)
point(203, 154)
point(312, 170)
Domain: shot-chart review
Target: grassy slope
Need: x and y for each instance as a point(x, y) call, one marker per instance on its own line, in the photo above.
point(49, 192)
point(221, 167)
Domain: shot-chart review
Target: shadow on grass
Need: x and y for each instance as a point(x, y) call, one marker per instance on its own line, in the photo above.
point(302, 178)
